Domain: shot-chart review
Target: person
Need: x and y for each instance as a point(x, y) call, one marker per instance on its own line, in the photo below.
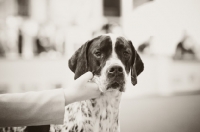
point(145, 47)
point(20, 42)
point(185, 49)
point(44, 107)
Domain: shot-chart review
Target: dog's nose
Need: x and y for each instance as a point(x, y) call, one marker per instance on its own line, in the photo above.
point(115, 70)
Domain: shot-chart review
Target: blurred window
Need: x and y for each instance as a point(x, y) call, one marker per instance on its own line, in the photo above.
point(23, 7)
point(111, 8)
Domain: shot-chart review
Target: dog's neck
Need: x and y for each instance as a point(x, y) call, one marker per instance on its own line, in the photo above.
point(98, 115)
point(108, 99)
point(105, 110)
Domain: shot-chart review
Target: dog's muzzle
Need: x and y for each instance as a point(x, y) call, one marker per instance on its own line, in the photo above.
point(115, 76)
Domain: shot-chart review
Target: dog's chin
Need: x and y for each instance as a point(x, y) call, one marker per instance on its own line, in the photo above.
point(109, 86)
point(115, 86)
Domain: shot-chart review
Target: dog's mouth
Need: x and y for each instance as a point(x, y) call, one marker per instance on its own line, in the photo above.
point(116, 86)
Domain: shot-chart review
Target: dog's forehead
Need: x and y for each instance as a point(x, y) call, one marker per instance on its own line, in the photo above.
point(116, 39)
point(113, 38)
point(101, 41)
point(104, 39)
point(112, 45)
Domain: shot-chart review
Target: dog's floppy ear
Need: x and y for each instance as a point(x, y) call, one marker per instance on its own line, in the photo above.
point(137, 65)
point(78, 63)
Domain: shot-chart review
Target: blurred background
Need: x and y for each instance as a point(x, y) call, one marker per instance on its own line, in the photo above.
point(37, 37)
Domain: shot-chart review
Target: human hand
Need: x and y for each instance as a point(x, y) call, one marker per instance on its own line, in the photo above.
point(82, 89)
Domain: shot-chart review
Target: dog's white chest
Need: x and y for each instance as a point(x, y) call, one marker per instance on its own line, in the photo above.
point(96, 115)
point(106, 120)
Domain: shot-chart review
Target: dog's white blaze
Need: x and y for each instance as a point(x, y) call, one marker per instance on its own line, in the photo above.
point(113, 60)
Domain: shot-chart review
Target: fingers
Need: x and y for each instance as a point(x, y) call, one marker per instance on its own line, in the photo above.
point(93, 90)
point(85, 77)
point(92, 85)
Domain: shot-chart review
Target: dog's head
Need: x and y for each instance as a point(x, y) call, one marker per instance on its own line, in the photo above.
point(111, 58)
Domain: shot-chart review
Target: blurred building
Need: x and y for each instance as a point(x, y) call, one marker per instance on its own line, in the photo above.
point(70, 12)
point(67, 10)
point(70, 18)
point(56, 28)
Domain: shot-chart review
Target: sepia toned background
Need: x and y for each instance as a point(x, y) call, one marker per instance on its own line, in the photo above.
point(37, 37)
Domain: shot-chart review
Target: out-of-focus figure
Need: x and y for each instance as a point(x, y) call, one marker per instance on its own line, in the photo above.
point(145, 46)
point(20, 42)
point(2, 42)
point(49, 41)
point(109, 28)
point(185, 49)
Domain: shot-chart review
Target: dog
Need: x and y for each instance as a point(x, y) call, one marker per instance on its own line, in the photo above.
point(112, 59)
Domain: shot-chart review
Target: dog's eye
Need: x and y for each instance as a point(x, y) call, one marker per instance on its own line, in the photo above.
point(126, 54)
point(98, 54)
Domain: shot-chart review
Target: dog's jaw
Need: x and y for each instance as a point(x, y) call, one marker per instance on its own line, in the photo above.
point(103, 84)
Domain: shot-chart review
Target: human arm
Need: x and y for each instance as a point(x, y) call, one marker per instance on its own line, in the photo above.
point(32, 108)
point(44, 107)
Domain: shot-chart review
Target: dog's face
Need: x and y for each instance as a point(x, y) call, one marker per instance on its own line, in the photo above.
point(111, 58)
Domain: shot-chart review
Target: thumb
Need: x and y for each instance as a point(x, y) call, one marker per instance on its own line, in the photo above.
point(85, 77)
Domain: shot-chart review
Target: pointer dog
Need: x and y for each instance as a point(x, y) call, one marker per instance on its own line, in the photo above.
point(111, 59)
